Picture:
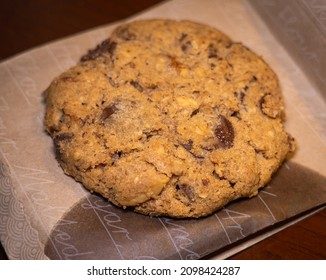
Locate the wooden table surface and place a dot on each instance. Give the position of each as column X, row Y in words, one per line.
column 29, row 23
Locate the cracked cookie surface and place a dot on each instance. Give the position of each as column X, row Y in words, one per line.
column 170, row 118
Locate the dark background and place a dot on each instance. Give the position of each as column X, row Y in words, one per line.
column 28, row 23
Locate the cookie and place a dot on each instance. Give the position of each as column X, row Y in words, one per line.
column 169, row 118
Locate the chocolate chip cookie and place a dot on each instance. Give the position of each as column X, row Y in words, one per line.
column 169, row 118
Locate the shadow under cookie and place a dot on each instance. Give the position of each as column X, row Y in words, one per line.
column 96, row 229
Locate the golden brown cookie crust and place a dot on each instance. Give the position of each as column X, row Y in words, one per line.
column 170, row 118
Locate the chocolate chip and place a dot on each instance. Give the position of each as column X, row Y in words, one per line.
column 261, row 102
column 52, row 129
column 137, row 86
column 186, row 191
column 194, row 112
column 111, row 48
column 116, row 156
column 205, row 182
column 253, row 79
column 188, row 146
column 99, row 50
column 186, row 46
column 224, row 133
column 240, row 95
column 108, row 111
column 227, row 78
column 65, row 136
column 212, row 51
column 151, row 87
column 125, row 34
column 236, row 114
column 183, row 36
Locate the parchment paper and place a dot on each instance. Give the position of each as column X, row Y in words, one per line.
column 46, row 214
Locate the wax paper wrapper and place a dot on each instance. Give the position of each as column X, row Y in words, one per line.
column 45, row 214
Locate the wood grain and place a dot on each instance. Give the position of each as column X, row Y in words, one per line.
column 26, row 24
